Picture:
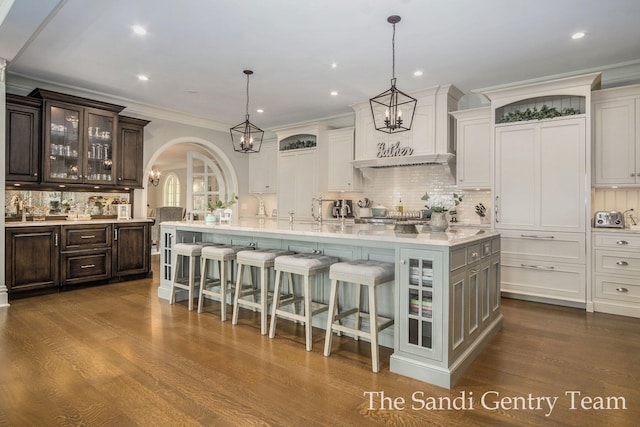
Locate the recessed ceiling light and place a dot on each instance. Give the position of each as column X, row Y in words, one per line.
column 143, row 77
column 578, row 35
column 417, row 73
column 334, row 93
column 260, row 110
column 334, row 65
column 139, row 29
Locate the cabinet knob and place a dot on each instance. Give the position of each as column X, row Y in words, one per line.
column 35, row 174
column 403, row 261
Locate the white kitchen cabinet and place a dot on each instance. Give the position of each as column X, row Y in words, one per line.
column 540, row 172
column 616, row 136
column 297, row 182
column 262, row 169
column 616, row 273
column 342, row 176
column 473, row 151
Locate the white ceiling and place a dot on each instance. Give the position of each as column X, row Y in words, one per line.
column 203, row 46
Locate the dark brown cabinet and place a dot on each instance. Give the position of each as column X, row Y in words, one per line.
column 80, row 139
column 85, row 253
column 41, row 256
column 130, row 159
column 32, row 258
column 131, row 248
column 23, row 139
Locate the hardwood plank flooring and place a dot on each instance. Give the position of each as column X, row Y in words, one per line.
column 116, row 355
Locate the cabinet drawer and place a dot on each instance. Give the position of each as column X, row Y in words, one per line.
column 617, row 240
column 86, row 236
column 543, row 279
column 553, row 247
column 85, row 266
column 621, row 289
column 618, row 262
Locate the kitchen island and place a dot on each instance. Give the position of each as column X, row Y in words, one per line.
column 446, row 298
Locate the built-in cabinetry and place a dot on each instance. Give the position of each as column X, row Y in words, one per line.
column 342, row 176
column 616, row 136
column 473, row 148
column 466, row 307
column 80, row 138
column 47, row 256
column 262, row 169
column 428, row 141
column 616, row 278
column 32, row 258
column 302, row 151
column 57, row 139
column 24, row 138
column 130, row 152
column 541, row 189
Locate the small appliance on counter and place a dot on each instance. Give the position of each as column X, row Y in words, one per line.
column 338, row 210
column 606, row 219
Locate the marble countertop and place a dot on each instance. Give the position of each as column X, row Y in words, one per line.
column 73, row 222
column 348, row 231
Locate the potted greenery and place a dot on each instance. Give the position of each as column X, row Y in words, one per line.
column 216, row 208
column 439, row 205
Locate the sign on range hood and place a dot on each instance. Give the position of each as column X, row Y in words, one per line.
column 430, row 141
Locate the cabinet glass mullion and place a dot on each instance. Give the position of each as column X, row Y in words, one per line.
column 421, row 302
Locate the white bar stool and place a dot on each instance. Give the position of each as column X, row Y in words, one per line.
column 361, row 273
column 224, row 256
column 179, row 252
column 262, row 259
column 308, row 266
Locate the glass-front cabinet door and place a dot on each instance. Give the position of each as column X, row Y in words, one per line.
column 79, row 143
column 100, row 132
column 63, row 143
column 420, row 313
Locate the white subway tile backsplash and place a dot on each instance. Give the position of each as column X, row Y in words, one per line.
column 387, row 186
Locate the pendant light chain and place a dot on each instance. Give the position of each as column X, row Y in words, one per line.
column 393, row 53
column 247, row 108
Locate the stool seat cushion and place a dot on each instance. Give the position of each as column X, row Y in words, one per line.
column 188, row 249
column 220, row 251
column 366, row 272
column 304, row 261
column 261, row 254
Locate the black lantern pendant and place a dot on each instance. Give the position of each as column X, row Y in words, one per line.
column 393, row 109
column 247, row 137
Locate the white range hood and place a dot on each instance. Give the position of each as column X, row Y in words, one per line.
column 430, row 140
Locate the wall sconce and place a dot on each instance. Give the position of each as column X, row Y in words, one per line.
column 154, row 178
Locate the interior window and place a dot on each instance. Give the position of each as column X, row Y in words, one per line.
column 171, row 190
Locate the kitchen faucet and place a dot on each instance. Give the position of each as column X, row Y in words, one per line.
column 319, row 200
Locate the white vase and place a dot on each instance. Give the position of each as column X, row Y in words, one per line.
column 439, row 221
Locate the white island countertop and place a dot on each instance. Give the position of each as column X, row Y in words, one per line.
column 335, row 230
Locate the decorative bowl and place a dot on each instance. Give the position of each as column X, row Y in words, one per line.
column 379, row 211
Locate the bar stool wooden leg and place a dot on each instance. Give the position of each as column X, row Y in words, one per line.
column 203, row 278
column 333, row 305
column 357, row 313
column 176, row 259
column 274, row 305
column 236, row 308
column 223, row 289
column 307, row 312
column 373, row 325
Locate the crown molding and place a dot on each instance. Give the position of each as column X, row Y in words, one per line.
column 23, row 85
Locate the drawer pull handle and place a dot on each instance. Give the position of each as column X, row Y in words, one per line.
column 622, row 263
column 533, row 236
column 475, row 254
column 537, row 267
column 87, row 237
column 88, row 266
column 622, row 290
column 622, row 242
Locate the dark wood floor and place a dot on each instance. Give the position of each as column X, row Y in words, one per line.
column 116, row 355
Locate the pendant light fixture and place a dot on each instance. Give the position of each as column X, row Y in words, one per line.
column 393, row 109
column 247, row 137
